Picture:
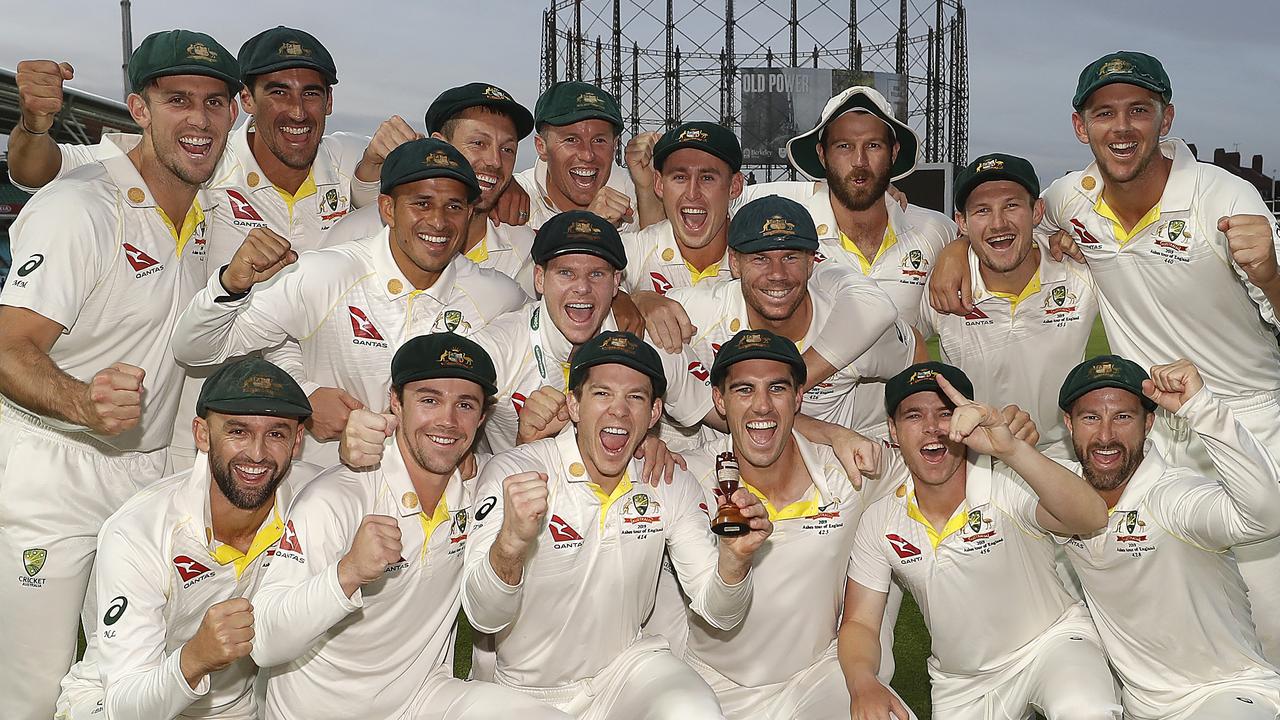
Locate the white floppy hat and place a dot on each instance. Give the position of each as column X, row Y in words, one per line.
column 802, row 150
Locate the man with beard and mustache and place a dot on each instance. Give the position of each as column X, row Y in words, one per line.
column 565, row 551
column 90, row 388
column 1183, row 255
column 1162, row 580
column 486, row 125
column 347, row 308
column 1032, row 314
column 179, row 562
column 800, row 571
column 967, row 532
column 356, row 614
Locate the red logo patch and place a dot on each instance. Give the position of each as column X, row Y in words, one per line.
column 138, row 259
column 361, row 325
column 561, row 531
column 977, row 314
column 1083, row 236
column 188, row 569
column 241, row 208
column 290, row 541
column 700, row 371
column 517, row 401
column 660, row 284
column 901, row 546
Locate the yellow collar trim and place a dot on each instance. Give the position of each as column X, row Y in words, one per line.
column 798, row 509
column 1032, row 288
column 696, row 276
column 890, row 239
column 480, row 252
column 608, row 499
column 195, row 216
column 953, row 526
column 306, row 190
column 1122, row 235
column 267, row 536
column 429, row 524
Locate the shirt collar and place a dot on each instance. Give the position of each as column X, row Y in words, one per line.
column 1179, row 189
column 572, row 469
column 1050, row 272
column 393, row 282
column 817, row 470
column 556, row 346
column 194, row 503
column 1150, row 470
column 396, row 475
column 122, row 172
column 618, row 180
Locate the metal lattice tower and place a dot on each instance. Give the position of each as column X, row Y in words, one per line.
column 669, row 61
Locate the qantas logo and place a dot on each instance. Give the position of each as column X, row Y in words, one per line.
column 241, row 208
column 818, row 256
column 517, row 401
column 660, row 284
column 561, row 531
column 1083, row 236
column 362, row 326
column 189, row 569
column 290, row 541
column 902, row 547
column 137, row 259
column 700, row 371
column 977, row 317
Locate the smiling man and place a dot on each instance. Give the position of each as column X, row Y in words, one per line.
column 348, row 308
column 179, row 562
column 967, row 532
column 1032, row 314
column 90, row 386
column 565, row 551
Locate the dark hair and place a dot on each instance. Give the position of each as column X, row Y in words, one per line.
column 575, row 387
column 251, row 83
column 797, row 377
column 450, row 125
column 890, row 136
column 489, row 400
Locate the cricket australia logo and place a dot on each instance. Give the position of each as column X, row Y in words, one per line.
column 33, row 560
column 1060, row 305
column 1172, row 240
column 915, row 266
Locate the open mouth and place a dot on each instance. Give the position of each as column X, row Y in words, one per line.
column 1124, row 151
column 441, row 440
column 252, row 473
column 761, row 432
column 613, row 439
column 196, row 146
column 933, row 453
column 777, row 294
column 584, row 177
column 579, row 312
column 1106, row 457
column 1001, row 242
column 434, row 241
column 487, row 181
column 297, row 134
column 693, row 218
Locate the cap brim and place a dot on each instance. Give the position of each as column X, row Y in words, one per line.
column 580, row 115
column 473, row 188
column 588, row 249
column 446, row 374
column 258, row 406
column 233, row 83
column 1127, row 80
column 767, row 244
column 659, row 379
column 1066, row 404
column 735, row 164
column 328, row 75
column 719, row 371
column 802, row 150
column 963, row 192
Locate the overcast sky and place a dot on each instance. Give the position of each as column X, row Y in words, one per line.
column 394, row 56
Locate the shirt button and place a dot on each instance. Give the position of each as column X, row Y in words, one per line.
column 668, row 254
column 395, row 286
column 822, row 229
column 409, row 500
column 253, row 179
column 136, row 195
column 577, row 470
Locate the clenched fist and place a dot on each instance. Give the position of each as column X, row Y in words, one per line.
column 391, row 134
column 330, row 408
column 1251, row 241
column 225, row 635
column 639, row 159
column 544, row 415
column 612, row 206
column 524, row 510
column 262, row 254
column 376, row 546
column 40, row 93
column 1173, row 384
column 112, row 402
column 365, row 437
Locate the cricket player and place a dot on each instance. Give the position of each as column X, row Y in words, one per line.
column 105, row 261
column 773, row 244
column 486, row 125
column 356, row 615
column 1162, row 579
column 579, row 126
column 781, row 662
column 565, row 550
column 178, row 563
column 1032, row 314
column 348, row 308
column 1159, row 231
column 967, row 533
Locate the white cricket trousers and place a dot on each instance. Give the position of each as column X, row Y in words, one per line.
column 1259, row 562
column 56, row 490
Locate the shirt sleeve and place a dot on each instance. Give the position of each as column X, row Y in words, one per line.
column 288, row 357
column 695, row 555
column 1248, row 202
column 141, row 680
column 61, row 251
column 1011, row 495
column 490, row 604
column 868, row 565
column 217, row 326
column 892, row 353
column 688, row 398
column 299, row 598
column 73, row 156
column 349, row 149
column 1244, row 505
column 852, row 295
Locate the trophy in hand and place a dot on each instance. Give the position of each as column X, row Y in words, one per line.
column 729, row 521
